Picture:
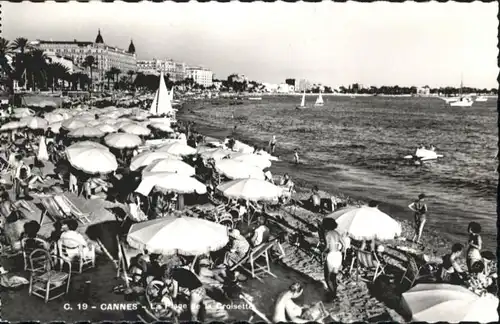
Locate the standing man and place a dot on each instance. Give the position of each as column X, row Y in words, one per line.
column 296, row 159
column 272, row 144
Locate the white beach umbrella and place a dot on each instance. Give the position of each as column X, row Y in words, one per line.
column 162, row 127
column 169, row 165
column 73, row 123
column 22, row 112
column 217, row 154
column 122, row 140
column 105, row 128
column 174, row 235
column 250, row 189
column 146, row 158
column 177, row 148
column 238, row 170
column 170, row 182
column 11, row 126
column 366, row 223
column 86, row 132
column 89, row 144
column 37, row 123
column 53, row 117
column 55, row 127
column 94, row 122
column 252, row 159
column 203, row 148
column 449, row 303
column 91, row 160
column 135, row 129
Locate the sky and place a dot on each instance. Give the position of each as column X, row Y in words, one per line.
column 335, row 44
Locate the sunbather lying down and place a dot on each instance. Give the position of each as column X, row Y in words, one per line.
column 94, row 186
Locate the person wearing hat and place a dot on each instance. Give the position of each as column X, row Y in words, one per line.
column 239, row 248
column 420, row 209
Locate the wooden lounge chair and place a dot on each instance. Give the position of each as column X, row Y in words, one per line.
column 368, row 261
column 51, row 209
column 258, row 253
column 249, row 301
column 414, row 273
column 70, row 210
column 216, row 212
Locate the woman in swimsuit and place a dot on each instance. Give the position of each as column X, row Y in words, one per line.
column 285, row 309
column 336, row 243
column 420, row 209
column 475, row 245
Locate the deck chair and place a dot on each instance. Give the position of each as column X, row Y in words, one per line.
column 37, row 259
column 368, row 261
column 53, row 276
column 216, row 212
column 254, row 256
column 70, row 210
column 81, row 258
column 413, row 272
column 249, row 301
column 51, row 209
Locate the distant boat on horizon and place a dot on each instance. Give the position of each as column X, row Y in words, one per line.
column 319, row 101
column 482, row 99
column 462, row 101
column 302, row 102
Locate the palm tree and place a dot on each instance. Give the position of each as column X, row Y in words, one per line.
column 90, row 62
column 57, row 72
column 20, row 44
column 109, row 76
column 116, row 72
column 5, row 67
column 36, row 68
column 130, row 74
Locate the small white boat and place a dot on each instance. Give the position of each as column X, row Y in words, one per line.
column 462, row 102
column 302, row 102
column 423, row 155
column 449, row 100
column 319, row 101
column 482, row 99
column 255, row 98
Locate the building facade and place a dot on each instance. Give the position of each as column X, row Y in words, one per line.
column 302, row 85
column 175, row 70
column 67, row 62
column 105, row 56
column 200, row 75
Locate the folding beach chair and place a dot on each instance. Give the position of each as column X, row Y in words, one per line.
column 249, row 301
column 51, row 209
column 368, row 261
column 254, row 256
column 70, row 210
column 414, row 273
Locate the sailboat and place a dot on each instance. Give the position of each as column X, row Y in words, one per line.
column 162, row 104
column 319, row 101
column 463, row 101
column 303, row 102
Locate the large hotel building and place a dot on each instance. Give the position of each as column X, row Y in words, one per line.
column 105, row 56
column 176, row 71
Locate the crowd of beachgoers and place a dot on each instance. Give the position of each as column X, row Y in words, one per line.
column 172, row 184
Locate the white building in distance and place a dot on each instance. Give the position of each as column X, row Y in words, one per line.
column 200, row 75
column 175, row 70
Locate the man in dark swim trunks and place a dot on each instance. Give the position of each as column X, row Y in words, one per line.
column 420, row 209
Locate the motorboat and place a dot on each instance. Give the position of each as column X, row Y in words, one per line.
column 462, row 102
column 423, row 155
column 481, row 99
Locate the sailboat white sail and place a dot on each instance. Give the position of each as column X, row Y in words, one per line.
column 302, row 102
column 319, row 101
column 162, row 104
column 463, row 101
